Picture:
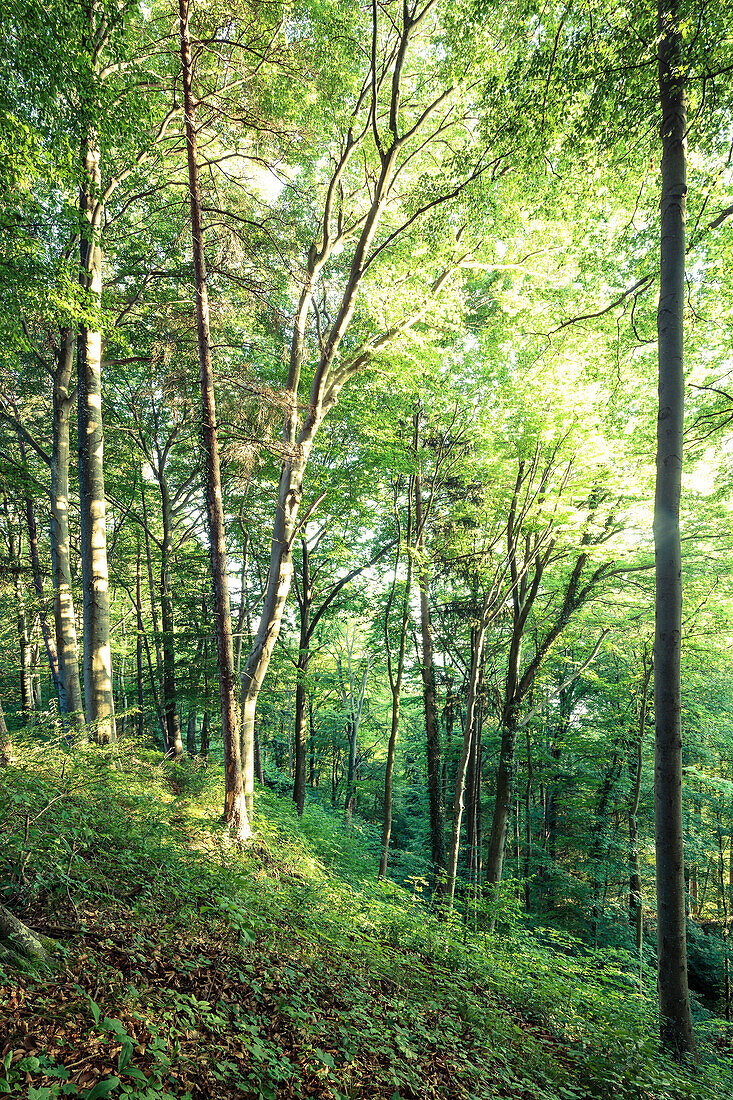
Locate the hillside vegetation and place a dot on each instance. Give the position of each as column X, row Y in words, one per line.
column 185, row 967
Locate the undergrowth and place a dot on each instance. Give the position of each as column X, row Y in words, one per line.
column 186, row 968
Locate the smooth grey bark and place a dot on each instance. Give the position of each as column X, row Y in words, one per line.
column 70, row 697
column 674, row 999
column 235, row 808
column 98, row 697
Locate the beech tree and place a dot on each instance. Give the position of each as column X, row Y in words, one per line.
column 674, row 1002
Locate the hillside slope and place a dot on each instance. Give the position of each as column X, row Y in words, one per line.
column 186, row 968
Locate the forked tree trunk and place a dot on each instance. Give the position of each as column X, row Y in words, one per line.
column 674, row 999
column 235, row 809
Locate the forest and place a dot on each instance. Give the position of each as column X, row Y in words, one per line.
column 366, row 650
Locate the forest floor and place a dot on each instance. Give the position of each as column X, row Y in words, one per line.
column 185, row 968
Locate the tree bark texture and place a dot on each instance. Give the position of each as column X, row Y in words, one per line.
column 395, row 680
column 635, row 759
column 70, row 697
column 6, row 747
column 674, row 1000
column 15, row 546
column 48, row 640
column 432, row 730
column 98, row 698
column 170, row 708
column 235, row 808
column 478, row 634
column 306, row 601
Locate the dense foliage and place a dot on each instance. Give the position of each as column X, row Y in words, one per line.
column 426, row 298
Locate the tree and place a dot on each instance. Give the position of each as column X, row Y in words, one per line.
column 235, row 807
column 392, row 133
column 674, row 1001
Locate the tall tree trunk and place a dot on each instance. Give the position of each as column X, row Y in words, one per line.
column 235, row 808
column 395, row 680
column 306, row 601
column 98, row 698
column 674, row 999
column 478, row 633
column 139, row 637
column 432, row 731
column 170, row 709
column 504, row 797
column 528, row 826
column 48, row 641
column 206, row 717
column 158, row 679
column 70, row 698
column 21, row 618
column 635, row 757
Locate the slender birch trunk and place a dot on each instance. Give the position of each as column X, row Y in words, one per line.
column 235, row 808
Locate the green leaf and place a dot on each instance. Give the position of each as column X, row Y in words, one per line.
column 103, row 1088
column 133, row 1071
column 125, row 1055
column 327, row 1060
column 5, row 1088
